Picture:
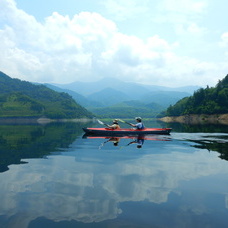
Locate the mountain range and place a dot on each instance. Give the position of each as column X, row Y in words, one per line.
column 110, row 95
column 132, row 89
column 107, row 98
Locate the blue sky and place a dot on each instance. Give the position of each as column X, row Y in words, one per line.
column 159, row 42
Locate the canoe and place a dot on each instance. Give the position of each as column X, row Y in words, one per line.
column 127, row 131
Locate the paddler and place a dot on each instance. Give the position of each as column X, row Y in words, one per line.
column 115, row 124
column 139, row 125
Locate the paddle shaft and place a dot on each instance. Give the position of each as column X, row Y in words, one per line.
column 125, row 122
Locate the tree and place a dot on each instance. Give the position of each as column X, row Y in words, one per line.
column 203, row 101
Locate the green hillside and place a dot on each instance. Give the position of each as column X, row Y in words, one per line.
column 127, row 109
column 23, row 99
column 212, row 100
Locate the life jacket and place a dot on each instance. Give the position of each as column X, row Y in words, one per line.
column 141, row 127
column 116, row 126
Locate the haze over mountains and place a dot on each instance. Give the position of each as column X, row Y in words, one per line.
column 129, row 88
column 107, row 98
column 108, row 91
column 113, row 94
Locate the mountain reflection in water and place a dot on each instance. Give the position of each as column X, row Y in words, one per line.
column 171, row 181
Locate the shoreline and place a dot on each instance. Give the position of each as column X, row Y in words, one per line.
column 197, row 119
column 39, row 120
column 185, row 119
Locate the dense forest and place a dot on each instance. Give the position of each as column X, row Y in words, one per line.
column 128, row 109
column 23, row 99
column 211, row 100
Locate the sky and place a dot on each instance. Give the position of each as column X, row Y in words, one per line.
column 158, row 42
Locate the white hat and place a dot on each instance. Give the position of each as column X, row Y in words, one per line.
column 138, row 118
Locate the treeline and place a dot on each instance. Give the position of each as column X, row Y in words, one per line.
column 211, row 100
column 126, row 112
column 23, row 99
column 128, row 109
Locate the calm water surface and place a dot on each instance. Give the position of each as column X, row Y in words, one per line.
column 53, row 176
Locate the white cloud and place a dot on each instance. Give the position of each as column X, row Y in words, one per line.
column 89, row 46
column 59, row 46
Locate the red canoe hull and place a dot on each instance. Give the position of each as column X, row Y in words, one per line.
column 127, row 131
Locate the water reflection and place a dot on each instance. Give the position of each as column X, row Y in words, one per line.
column 138, row 140
column 34, row 141
column 218, row 143
column 171, row 178
column 192, row 128
column 64, row 188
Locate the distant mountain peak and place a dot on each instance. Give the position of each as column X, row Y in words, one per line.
column 109, row 79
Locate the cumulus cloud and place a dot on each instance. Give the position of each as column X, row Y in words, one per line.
column 88, row 47
column 58, row 46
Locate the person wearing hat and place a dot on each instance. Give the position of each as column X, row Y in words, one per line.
column 139, row 125
column 115, row 124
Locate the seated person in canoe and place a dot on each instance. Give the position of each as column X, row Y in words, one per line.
column 115, row 125
column 139, row 125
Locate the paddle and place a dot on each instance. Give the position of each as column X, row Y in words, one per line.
column 123, row 121
column 100, row 122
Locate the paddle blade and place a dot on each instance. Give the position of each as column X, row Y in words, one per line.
column 100, row 122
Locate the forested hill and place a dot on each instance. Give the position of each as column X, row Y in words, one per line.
column 213, row 100
column 23, row 99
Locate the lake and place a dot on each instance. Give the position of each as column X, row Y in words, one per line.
column 54, row 176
